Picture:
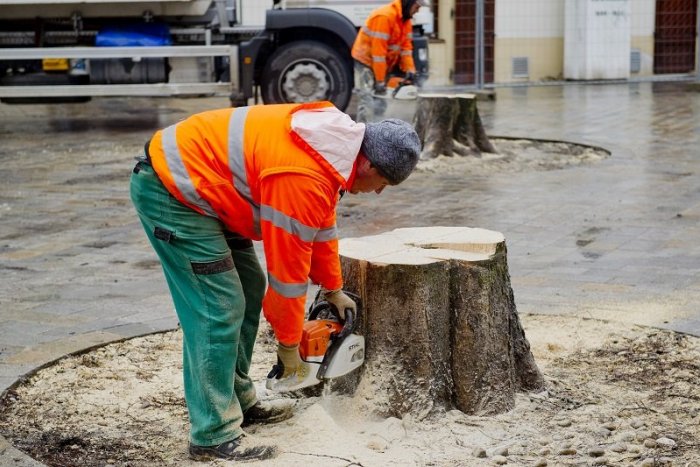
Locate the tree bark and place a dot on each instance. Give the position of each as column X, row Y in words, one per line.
column 439, row 321
column 449, row 124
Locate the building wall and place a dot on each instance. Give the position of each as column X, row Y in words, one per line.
column 534, row 29
column 441, row 63
column 531, row 30
column 597, row 37
column 643, row 24
column 442, row 48
column 544, row 55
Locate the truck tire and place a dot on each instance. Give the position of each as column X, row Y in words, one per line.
column 307, row 71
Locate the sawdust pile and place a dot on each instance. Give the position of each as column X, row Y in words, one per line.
column 518, row 155
column 615, row 395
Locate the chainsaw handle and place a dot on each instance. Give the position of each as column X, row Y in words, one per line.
column 350, row 320
column 349, row 324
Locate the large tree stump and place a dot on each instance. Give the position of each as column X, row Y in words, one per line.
column 449, row 124
column 439, row 320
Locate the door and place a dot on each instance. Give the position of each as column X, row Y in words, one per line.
column 674, row 37
column 465, row 41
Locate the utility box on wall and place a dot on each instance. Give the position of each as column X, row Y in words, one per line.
column 597, row 39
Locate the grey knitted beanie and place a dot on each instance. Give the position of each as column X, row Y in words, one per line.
column 393, row 147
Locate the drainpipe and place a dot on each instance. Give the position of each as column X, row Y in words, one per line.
column 479, row 43
column 697, row 44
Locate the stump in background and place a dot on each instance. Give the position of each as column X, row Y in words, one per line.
column 439, row 320
column 449, row 124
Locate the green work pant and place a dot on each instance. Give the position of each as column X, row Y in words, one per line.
column 217, row 286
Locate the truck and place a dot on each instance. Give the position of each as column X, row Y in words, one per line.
column 278, row 51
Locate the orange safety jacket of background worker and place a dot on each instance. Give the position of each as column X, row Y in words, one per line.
column 384, row 40
column 270, row 173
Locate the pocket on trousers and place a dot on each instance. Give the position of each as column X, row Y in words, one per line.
column 222, row 298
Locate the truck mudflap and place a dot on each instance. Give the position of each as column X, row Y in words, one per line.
column 248, row 52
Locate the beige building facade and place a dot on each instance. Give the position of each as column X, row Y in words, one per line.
column 527, row 39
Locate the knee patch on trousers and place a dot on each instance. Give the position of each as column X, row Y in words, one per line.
column 163, row 234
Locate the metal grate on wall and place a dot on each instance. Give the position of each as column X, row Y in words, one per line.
column 635, row 61
column 520, row 67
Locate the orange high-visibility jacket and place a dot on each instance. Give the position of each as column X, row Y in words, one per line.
column 270, row 173
column 384, row 41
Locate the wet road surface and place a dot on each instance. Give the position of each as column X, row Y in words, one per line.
column 615, row 240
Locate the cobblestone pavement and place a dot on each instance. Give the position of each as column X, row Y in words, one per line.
column 615, row 240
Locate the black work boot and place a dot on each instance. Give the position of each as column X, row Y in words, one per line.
column 268, row 412
column 239, row 449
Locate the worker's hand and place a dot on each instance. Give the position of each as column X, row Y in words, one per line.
column 290, row 373
column 380, row 89
column 290, row 361
column 410, row 78
column 341, row 301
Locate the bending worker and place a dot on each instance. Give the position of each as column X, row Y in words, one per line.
column 384, row 43
column 214, row 182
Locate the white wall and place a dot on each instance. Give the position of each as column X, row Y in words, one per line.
column 529, row 18
column 597, row 38
column 643, row 17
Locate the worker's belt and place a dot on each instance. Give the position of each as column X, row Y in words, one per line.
column 144, row 158
column 145, row 151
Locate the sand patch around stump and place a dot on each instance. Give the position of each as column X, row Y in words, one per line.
column 614, row 394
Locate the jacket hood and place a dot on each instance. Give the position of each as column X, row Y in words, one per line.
column 335, row 139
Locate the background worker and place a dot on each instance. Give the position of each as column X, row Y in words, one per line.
column 383, row 44
column 214, row 182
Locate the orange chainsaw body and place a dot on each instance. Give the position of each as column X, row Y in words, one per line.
column 316, row 337
column 394, row 81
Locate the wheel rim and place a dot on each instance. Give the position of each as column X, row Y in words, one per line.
column 305, row 81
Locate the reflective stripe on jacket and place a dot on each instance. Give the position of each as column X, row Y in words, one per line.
column 270, row 173
column 384, row 41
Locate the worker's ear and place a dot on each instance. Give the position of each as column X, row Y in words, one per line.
column 363, row 164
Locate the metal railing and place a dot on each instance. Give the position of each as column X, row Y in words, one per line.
column 135, row 53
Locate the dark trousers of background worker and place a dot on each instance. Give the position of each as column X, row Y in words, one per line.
column 217, row 286
column 369, row 107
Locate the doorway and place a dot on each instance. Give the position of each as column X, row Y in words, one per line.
column 674, row 38
column 465, row 42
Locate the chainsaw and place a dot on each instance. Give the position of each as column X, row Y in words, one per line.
column 328, row 347
column 402, row 89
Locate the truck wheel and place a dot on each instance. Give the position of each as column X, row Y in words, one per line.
column 307, row 71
